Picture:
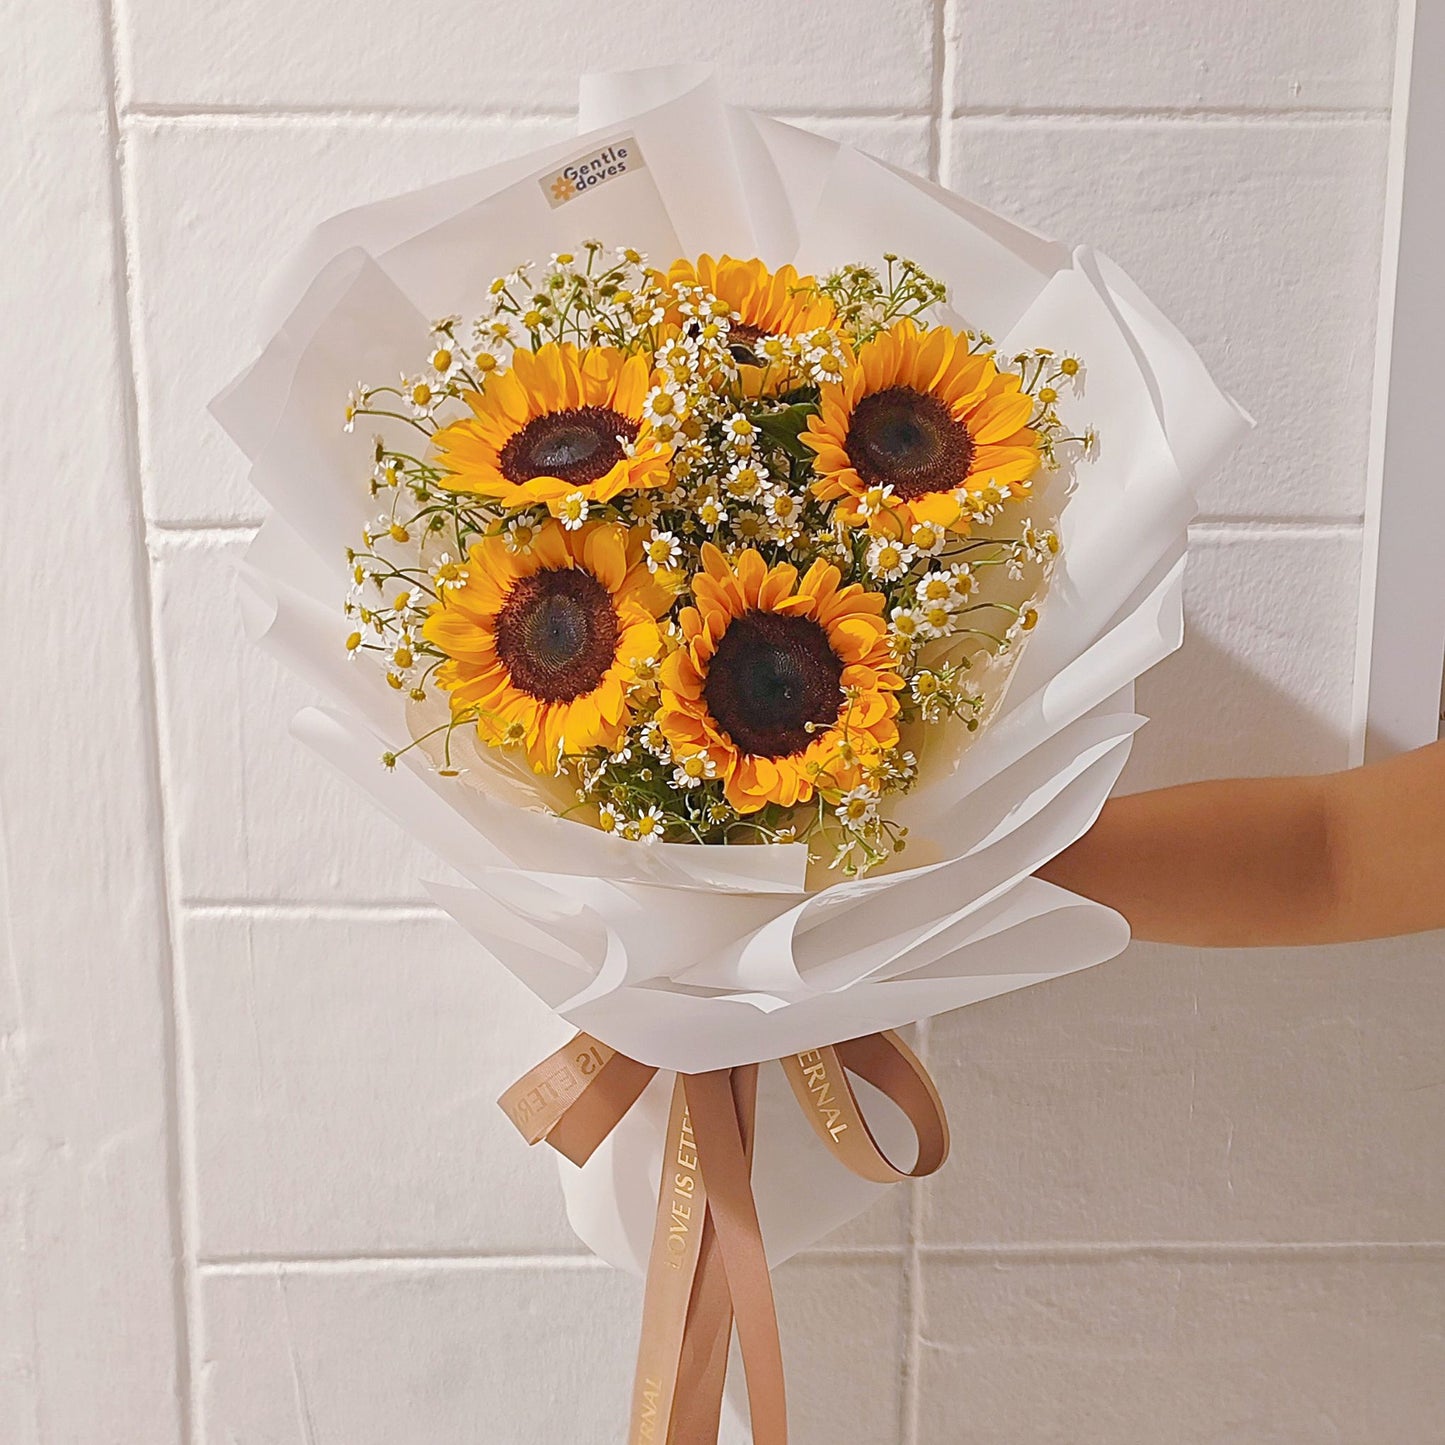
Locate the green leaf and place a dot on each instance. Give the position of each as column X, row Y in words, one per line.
column 783, row 428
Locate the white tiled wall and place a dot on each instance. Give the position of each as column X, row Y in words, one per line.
column 251, row 1177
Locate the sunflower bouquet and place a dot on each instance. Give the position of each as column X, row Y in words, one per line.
column 715, row 545
column 742, row 634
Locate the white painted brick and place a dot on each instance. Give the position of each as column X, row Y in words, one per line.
column 1137, row 1349
column 1259, row 240
column 498, row 55
column 416, row 1356
column 901, row 140
column 1179, row 1094
column 218, row 206
column 515, row 1355
column 844, row 1328
column 90, row 1346
column 346, row 1079
column 1264, row 679
column 1108, row 53
column 255, row 814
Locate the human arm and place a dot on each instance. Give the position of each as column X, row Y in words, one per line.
column 1243, row 862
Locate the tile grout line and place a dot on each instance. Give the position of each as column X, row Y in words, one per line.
column 343, row 910
column 1050, row 1252
column 192, row 531
column 1177, row 114
column 1202, row 1250
column 940, row 153
column 910, row 1397
column 1275, row 527
column 938, row 81
column 198, row 114
column 439, row 1261
column 179, row 1181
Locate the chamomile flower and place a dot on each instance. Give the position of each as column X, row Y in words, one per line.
column 745, row 479
column 937, row 589
column 749, row 527
column 609, row 819
column 927, row 539
column 651, row 736
column 857, row 807
column 888, row 559
column 711, row 513
column 356, row 400
column 875, row 501
column 1026, row 621
column 937, row 619
column 520, row 535
column 783, row 509
column 385, row 473
column 446, row 574
column 665, row 404
column 648, row 826
column 739, row 433
column 663, row 551
column 905, row 625
column 694, row 770
column 420, row 395
column 825, row 363
column 925, row 685
column 963, row 580
column 645, row 671
column 446, row 361
column 572, row 510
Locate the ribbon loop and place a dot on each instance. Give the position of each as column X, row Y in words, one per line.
column 819, row 1078
column 576, row 1096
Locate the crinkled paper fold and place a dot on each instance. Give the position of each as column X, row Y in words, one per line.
column 698, row 957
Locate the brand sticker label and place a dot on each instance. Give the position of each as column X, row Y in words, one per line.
column 592, row 170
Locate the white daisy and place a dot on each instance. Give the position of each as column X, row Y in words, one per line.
column 663, row 551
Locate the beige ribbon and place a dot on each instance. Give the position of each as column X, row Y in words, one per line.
column 708, row 1273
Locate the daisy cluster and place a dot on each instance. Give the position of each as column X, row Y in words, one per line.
column 714, row 543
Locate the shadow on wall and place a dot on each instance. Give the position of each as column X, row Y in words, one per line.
column 1212, row 715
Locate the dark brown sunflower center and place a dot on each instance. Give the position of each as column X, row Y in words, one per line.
column 579, row 445
column 771, row 676
column 557, row 634
column 743, row 338
column 906, row 439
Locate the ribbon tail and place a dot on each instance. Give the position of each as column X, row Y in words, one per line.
column 710, row 1321
column 727, row 1171
column 677, row 1252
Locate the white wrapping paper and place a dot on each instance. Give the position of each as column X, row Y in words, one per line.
column 691, row 957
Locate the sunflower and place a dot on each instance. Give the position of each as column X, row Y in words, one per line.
column 766, row 303
column 557, row 421
column 784, row 684
column 542, row 644
column 919, row 413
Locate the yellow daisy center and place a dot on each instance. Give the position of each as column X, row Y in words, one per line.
column 557, row 634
